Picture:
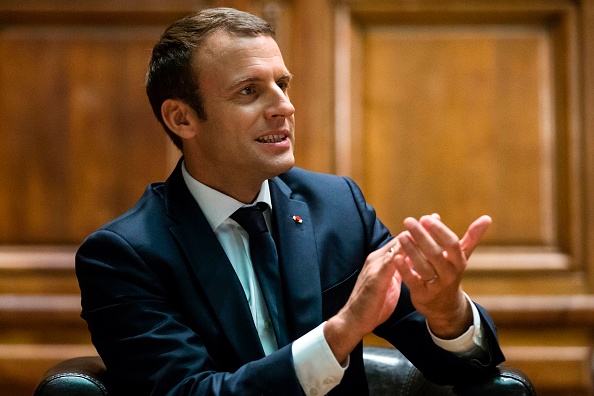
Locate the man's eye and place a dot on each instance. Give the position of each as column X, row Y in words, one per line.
column 283, row 85
column 248, row 90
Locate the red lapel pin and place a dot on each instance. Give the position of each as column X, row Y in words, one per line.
column 297, row 219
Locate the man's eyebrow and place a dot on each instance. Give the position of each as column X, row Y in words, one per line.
column 285, row 77
column 244, row 80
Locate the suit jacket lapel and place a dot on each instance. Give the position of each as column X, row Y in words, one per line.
column 212, row 268
column 298, row 259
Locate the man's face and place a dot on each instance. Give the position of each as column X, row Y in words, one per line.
column 248, row 135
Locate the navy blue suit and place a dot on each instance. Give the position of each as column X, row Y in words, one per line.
column 168, row 315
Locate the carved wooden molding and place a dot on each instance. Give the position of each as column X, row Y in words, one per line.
column 550, row 310
column 553, row 367
column 37, row 257
column 56, row 352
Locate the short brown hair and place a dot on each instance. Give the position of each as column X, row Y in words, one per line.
column 171, row 72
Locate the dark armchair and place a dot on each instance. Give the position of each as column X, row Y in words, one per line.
column 388, row 372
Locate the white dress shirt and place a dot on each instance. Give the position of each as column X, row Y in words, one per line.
column 316, row 368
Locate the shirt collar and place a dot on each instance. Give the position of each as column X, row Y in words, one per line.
column 216, row 206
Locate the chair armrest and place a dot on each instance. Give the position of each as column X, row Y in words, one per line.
column 390, row 373
column 77, row 376
column 506, row 380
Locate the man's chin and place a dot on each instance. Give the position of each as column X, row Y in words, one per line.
column 282, row 167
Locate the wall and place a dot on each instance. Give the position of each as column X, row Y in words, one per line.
column 458, row 107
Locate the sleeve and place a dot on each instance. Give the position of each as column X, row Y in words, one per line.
column 471, row 344
column 317, row 369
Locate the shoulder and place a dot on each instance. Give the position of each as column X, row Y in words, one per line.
column 143, row 227
column 149, row 206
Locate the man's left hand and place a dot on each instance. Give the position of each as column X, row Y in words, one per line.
column 432, row 267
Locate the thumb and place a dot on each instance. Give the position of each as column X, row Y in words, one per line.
column 474, row 234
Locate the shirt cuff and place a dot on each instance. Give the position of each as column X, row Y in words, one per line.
column 468, row 342
column 317, row 369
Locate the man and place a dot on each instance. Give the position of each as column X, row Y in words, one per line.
column 175, row 304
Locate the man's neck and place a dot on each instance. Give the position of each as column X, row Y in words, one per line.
column 242, row 189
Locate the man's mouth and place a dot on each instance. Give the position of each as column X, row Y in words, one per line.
column 271, row 138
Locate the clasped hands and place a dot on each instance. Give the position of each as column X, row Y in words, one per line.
column 430, row 259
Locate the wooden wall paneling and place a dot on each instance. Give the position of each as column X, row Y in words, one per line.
column 28, row 141
column 501, row 110
column 27, row 271
column 130, row 12
column 442, row 150
column 118, row 147
column 587, row 51
column 533, row 183
column 348, row 96
column 312, row 90
column 80, row 129
column 79, row 144
column 567, row 116
column 40, row 320
column 503, row 81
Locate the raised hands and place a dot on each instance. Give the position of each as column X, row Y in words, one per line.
column 431, row 260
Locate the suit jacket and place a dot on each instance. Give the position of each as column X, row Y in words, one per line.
column 168, row 315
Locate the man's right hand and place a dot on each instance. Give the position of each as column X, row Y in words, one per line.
column 371, row 302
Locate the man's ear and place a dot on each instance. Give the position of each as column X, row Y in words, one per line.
column 179, row 117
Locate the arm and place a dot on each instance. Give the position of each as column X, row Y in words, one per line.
column 148, row 342
column 406, row 328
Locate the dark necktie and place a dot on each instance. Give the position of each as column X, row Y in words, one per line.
column 265, row 262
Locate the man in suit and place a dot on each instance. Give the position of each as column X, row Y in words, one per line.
column 174, row 301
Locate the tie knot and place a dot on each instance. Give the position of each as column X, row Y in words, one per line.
column 251, row 218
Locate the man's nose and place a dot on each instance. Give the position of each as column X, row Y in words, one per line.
column 281, row 105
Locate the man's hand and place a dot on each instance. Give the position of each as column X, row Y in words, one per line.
column 371, row 302
column 432, row 268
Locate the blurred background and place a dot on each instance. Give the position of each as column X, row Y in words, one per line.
column 460, row 107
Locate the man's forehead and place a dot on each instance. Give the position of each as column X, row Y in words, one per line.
column 221, row 43
column 245, row 56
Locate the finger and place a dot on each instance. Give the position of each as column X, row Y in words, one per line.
column 418, row 263
column 447, row 239
column 392, row 247
column 392, row 244
column 475, row 234
column 407, row 274
column 429, row 248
